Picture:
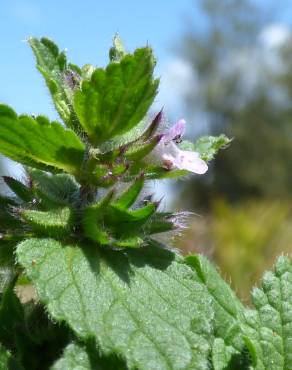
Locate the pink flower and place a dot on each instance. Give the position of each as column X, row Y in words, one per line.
column 184, row 160
column 175, row 158
column 175, row 133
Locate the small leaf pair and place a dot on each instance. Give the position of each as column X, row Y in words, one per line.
column 110, row 221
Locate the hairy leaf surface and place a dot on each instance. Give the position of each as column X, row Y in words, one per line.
column 221, row 355
column 116, row 99
column 78, row 356
column 207, row 146
column 269, row 327
column 74, row 357
column 53, row 223
column 61, row 188
column 146, row 306
column 229, row 347
column 53, row 66
column 46, row 147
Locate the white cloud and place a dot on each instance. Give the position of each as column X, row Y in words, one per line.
column 177, row 79
column 275, row 35
column 178, row 74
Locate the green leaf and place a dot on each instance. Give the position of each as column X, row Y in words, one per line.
column 187, row 145
column 129, row 242
column 221, row 354
column 144, row 305
column 124, row 221
column 6, row 111
column 157, row 172
column 269, row 326
column 208, row 146
column 57, row 222
column 229, row 312
column 74, row 357
column 77, row 356
column 116, row 99
column 229, row 349
column 92, row 220
column 22, row 191
column 129, row 196
column 87, row 71
column 42, row 120
column 110, row 223
column 75, row 68
column 45, row 147
column 7, row 361
column 160, row 222
column 61, row 188
column 140, row 150
column 117, row 51
column 127, row 138
column 53, row 66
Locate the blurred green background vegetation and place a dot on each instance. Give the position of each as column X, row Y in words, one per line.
column 241, row 61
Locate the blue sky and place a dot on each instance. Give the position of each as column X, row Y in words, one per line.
column 85, row 28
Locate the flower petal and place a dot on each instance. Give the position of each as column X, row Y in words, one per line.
column 185, row 160
column 175, row 132
column 190, row 161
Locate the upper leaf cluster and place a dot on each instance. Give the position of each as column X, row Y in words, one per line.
column 71, row 226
